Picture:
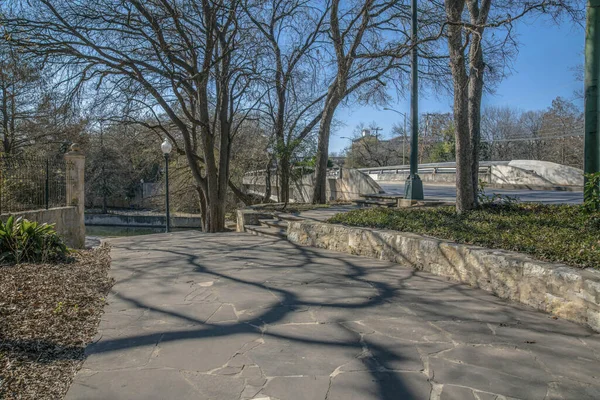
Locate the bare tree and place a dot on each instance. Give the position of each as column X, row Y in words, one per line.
column 369, row 41
column 467, row 44
column 578, row 75
column 292, row 30
column 561, row 134
column 555, row 134
column 531, row 124
column 30, row 112
column 372, row 150
column 498, row 126
column 187, row 59
column 19, row 93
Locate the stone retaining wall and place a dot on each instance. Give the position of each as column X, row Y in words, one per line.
column 66, row 220
column 569, row 293
column 142, row 221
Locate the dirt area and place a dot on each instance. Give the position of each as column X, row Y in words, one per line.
column 49, row 313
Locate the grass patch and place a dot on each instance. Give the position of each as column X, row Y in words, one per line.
column 556, row 233
column 48, row 314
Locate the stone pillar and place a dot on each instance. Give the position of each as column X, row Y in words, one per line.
column 75, row 161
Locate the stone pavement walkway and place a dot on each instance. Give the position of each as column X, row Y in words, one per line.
column 235, row 316
column 321, row 214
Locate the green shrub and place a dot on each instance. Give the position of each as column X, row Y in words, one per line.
column 26, row 241
column 591, row 192
column 558, row 233
column 495, row 198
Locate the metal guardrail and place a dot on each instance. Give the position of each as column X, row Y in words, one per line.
column 332, row 173
column 433, row 168
column 438, row 168
column 30, row 183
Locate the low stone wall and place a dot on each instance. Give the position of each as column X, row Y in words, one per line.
column 569, row 293
column 248, row 216
column 68, row 223
column 142, row 221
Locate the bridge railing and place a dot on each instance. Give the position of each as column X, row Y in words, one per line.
column 483, row 169
column 332, row 173
column 432, row 168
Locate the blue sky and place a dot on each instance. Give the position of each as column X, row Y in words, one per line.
column 541, row 71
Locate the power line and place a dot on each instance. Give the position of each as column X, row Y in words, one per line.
column 519, row 139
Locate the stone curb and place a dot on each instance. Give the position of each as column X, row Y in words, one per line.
column 569, row 293
column 249, row 216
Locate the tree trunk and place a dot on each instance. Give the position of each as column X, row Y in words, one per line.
column 267, row 197
column 282, row 148
column 465, row 193
column 212, row 184
column 320, row 182
column 6, row 139
column 203, row 208
column 284, row 182
column 239, row 194
column 478, row 14
column 475, row 94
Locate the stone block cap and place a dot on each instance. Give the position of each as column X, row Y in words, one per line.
column 74, row 148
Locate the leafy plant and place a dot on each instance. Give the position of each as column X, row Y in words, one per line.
column 495, row 198
column 591, row 192
column 22, row 240
column 557, row 233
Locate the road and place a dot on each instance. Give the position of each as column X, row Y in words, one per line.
column 448, row 192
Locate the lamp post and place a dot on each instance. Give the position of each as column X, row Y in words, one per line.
column 166, row 148
column 403, row 132
column 413, row 189
column 591, row 158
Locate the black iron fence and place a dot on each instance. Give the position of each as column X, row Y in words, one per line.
column 30, row 183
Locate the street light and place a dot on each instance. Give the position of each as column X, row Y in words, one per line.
column 413, row 189
column 403, row 133
column 166, row 148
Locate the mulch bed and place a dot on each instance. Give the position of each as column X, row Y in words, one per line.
column 48, row 314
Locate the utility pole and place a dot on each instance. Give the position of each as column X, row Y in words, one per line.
column 592, row 75
column 404, row 141
column 413, row 188
column 377, row 132
column 403, row 132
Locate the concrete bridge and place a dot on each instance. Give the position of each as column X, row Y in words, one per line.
column 518, row 174
column 524, row 177
column 343, row 184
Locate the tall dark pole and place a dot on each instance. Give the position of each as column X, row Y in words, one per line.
column 168, row 224
column 592, row 74
column 47, row 186
column 404, row 141
column 413, row 189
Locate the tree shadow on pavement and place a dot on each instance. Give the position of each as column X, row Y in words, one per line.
column 239, row 262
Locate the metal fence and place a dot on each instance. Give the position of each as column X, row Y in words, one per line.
column 30, row 183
